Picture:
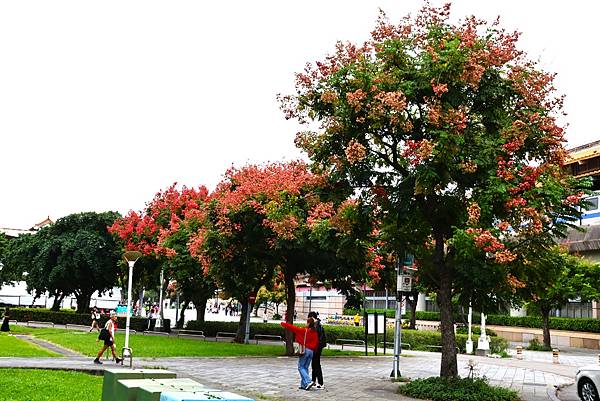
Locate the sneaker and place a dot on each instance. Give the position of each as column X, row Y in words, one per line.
column 320, row 386
column 309, row 385
column 97, row 361
column 119, row 360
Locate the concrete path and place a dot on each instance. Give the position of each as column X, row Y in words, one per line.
column 345, row 377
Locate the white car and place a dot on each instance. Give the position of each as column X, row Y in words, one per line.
column 588, row 382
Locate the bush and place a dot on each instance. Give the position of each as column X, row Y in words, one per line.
column 277, row 316
column 535, row 345
column 60, row 317
column 418, row 339
column 556, row 323
column 456, row 389
column 475, row 330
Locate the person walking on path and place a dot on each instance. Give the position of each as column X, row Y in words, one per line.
column 317, row 371
column 5, row 327
column 308, row 340
column 107, row 334
column 95, row 318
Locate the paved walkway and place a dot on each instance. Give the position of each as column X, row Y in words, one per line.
column 346, row 378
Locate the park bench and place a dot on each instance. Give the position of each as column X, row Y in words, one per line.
column 191, row 333
column 155, row 333
column 439, row 347
column 30, row 322
column 348, row 341
column 76, row 326
column 269, row 337
column 390, row 344
column 224, row 335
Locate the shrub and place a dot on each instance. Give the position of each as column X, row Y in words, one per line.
column 277, row 316
column 556, row 323
column 418, row 339
column 475, row 330
column 60, row 317
column 456, row 389
column 535, row 345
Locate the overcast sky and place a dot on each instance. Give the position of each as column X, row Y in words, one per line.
column 104, row 103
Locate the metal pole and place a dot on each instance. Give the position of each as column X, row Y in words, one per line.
column 177, row 309
column 397, row 325
column 310, row 298
column 160, row 294
column 247, row 333
column 129, row 283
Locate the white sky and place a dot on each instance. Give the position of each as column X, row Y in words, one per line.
column 104, row 103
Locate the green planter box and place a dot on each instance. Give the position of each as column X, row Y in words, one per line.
column 112, row 376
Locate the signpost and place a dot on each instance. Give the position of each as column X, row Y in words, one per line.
column 404, row 280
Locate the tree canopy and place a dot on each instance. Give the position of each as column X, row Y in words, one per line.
column 452, row 132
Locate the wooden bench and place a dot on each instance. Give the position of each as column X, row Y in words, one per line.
column 270, row 337
column 191, row 333
column 42, row 323
column 224, row 335
column 348, row 341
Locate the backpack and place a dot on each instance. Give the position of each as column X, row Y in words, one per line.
column 321, row 335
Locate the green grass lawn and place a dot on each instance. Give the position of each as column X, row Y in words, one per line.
column 160, row 346
column 48, row 385
column 12, row 346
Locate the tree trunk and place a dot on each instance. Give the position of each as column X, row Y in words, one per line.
column 412, row 303
column 546, row 326
column 58, row 298
column 83, row 302
column 200, row 304
column 181, row 319
column 241, row 331
column 290, row 290
column 449, row 365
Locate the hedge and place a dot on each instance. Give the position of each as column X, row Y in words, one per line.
column 556, row 323
column 418, row 339
column 60, row 317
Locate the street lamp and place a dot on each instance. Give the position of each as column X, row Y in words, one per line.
column 130, row 257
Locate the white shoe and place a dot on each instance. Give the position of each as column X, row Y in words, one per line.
column 309, row 385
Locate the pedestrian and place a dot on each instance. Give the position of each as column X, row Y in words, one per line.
column 107, row 334
column 317, row 371
column 357, row 320
column 308, row 341
column 5, row 327
column 95, row 315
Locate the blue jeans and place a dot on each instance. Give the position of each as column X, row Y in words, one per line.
column 303, row 366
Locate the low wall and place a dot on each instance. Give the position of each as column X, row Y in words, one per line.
column 558, row 338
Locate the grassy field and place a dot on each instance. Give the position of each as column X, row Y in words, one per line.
column 12, row 346
column 25, row 385
column 159, row 346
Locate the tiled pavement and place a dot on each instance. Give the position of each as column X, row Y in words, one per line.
column 345, row 378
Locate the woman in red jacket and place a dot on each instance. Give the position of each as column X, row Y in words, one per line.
column 307, row 337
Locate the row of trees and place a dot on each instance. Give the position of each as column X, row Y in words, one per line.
column 435, row 139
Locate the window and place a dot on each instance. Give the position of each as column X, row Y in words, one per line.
column 592, row 203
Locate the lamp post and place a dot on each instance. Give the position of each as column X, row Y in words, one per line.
column 130, row 257
column 160, row 294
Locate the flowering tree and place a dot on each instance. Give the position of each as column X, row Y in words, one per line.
column 159, row 232
column 453, row 131
column 282, row 216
